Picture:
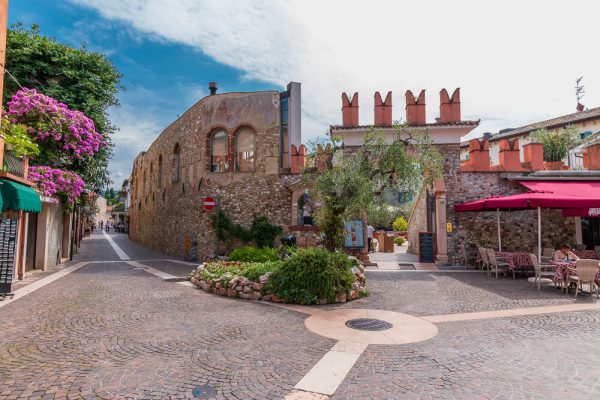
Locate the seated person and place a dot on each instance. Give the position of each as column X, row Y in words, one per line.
column 565, row 254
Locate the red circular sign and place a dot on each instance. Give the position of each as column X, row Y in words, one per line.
column 209, row 203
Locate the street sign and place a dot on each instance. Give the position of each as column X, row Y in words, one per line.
column 209, row 203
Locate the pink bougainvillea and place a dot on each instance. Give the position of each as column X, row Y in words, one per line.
column 57, row 182
column 53, row 123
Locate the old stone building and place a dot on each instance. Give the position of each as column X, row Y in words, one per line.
column 479, row 178
column 434, row 206
column 244, row 149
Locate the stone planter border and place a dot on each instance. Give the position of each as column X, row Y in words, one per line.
column 243, row 288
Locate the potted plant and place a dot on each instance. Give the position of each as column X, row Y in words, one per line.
column 556, row 145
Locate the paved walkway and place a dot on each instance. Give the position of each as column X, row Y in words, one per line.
column 111, row 327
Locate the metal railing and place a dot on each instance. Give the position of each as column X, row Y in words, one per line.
column 13, row 164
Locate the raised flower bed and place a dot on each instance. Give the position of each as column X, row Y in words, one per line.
column 325, row 278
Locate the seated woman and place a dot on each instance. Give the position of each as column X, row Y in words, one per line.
column 565, row 254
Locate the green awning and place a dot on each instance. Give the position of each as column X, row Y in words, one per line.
column 17, row 197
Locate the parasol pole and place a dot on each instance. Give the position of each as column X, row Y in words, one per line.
column 539, row 234
column 499, row 237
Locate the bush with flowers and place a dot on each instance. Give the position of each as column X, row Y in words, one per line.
column 52, row 182
column 61, row 139
column 64, row 135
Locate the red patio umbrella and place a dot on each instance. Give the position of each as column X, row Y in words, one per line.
column 535, row 199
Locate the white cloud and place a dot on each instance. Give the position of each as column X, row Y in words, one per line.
column 515, row 61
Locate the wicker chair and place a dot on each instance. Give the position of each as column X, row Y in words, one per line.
column 485, row 262
column 547, row 252
column 539, row 270
column 586, row 274
column 467, row 256
column 497, row 264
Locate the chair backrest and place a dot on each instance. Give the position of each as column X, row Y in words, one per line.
column 548, row 252
column 597, row 248
column 483, row 254
column 580, row 247
column 463, row 251
column 492, row 257
column 535, row 263
column 587, row 269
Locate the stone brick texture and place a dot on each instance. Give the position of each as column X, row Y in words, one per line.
column 164, row 212
column 518, row 228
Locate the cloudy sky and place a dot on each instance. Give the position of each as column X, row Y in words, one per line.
column 515, row 61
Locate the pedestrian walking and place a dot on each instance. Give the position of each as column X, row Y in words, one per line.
column 370, row 231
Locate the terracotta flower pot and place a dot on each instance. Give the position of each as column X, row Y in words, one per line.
column 553, row 165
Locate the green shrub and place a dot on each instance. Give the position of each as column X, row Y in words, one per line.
column 228, row 269
column 253, row 271
column 261, row 231
column 556, row 143
column 400, row 224
column 254, row 254
column 311, row 275
column 399, row 240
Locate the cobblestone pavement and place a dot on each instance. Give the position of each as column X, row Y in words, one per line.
column 113, row 331
column 432, row 293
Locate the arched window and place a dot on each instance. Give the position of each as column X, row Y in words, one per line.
column 159, row 172
column 244, row 150
column 151, row 177
column 176, row 163
column 144, row 187
column 219, row 151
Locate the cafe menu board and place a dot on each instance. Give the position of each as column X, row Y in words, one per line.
column 354, row 235
column 426, row 247
column 8, row 241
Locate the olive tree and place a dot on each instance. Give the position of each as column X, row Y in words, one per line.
column 354, row 181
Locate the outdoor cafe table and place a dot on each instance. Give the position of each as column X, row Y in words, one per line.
column 562, row 272
column 587, row 254
column 516, row 260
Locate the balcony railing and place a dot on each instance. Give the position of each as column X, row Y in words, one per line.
column 13, row 165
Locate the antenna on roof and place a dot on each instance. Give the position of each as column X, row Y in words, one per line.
column 579, row 92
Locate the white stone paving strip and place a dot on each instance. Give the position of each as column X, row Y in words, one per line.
column 41, row 283
column 120, row 253
column 171, row 260
column 329, row 372
column 514, row 312
column 160, row 274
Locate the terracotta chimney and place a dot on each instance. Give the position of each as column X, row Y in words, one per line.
column 509, row 155
column 349, row 110
column 533, row 156
column 449, row 107
column 383, row 110
column 415, row 108
column 479, row 156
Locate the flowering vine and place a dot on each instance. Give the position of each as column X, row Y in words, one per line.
column 61, row 131
column 56, row 182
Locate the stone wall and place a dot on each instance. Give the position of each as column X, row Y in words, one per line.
column 518, row 228
column 163, row 212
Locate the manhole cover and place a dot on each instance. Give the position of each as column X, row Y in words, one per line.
column 368, row 324
column 204, row 392
column 406, row 266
